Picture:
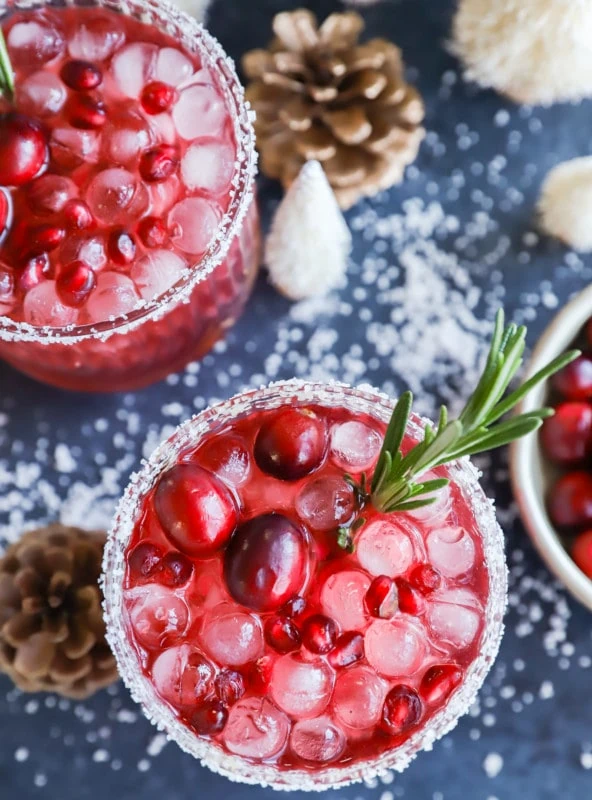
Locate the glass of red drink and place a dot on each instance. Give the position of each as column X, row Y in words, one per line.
column 276, row 628
column 129, row 237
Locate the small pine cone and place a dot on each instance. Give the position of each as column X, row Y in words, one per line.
column 52, row 632
column 321, row 95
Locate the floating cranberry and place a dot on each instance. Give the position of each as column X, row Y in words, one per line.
column 5, row 213
column 439, row 682
column 230, row 686
column 570, row 500
column 266, row 562
column 567, row 436
column 210, row 718
column 402, row 709
column 425, row 578
column 196, row 510
column 294, row 608
column 157, row 97
column 574, row 381
column 291, row 444
column 153, row 232
column 86, row 111
column 75, row 283
column 77, row 215
column 319, row 633
column 382, row 598
column 35, row 271
column 144, row 559
column 121, row 247
column 177, row 569
column 282, row 634
column 159, row 163
column 410, row 600
column 23, row 149
column 348, row 649
column 581, row 552
column 81, row 75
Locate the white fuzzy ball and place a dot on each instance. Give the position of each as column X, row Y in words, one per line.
column 534, row 51
column 566, row 203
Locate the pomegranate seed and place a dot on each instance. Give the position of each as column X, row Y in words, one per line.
column 210, row 718
column 425, row 578
column 230, row 686
column 259, row 675
column 291, row 444
column 410, row 600
column 121, row 247
column 42, row 239
column 77, row 215
column 24, row 153
column 86, row 111
column 159, row 163
column 439, row 682
column 348, row 649
column 176, row 569
column 144, row 559
column 319, row 633
column 158, row 97
column 570, row 502
column 35, row 272
column 582, row 552
column 153, row 232
column 81, row 75
column 75, row 283
column 567, row 436
column 575, row 380
column 402, row 709
column 382, row 598
column 282, row 634
column 294, row 608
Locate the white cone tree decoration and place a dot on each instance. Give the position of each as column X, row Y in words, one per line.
column 565, row 205
column 534, row 51
column 197, row 8
column 309, row 243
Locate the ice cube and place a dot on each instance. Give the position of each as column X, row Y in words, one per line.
column 133, row 67
column 395, row 648
column 124, row 136
column 359, row 697
column 385, row 547
column 172, row 66
column 90, row 249
column 115, row 196
column 162, row 128
column 451, row 551
column 193, row 223
column 71, row 147
column 232, row 637
column 437, row 512
column 98, row 35
column 325, row 503
column 301, row 688
column 208, row 166
column 454, row 616
column 342, row 598
column 317, row 740
column 50, row 193
column 228, row 458
column 156, row 272
column 163, row 195
column 114, row 295
column 182, row 676
column 34, row 41
column 42, row 306
column 207, row 589
column 41, row 94
column 200, row 111
column 156, row 614
column 354, row 446
column 256, row 728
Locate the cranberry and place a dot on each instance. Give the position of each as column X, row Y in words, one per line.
column 567, row 436
column 81, row 75
column 23, row 149
column 153, row 232
column 121, row 247
column 158, row 97
column 144, row 559
column 259, row 675
column 402, row 709
column 575, row 380
column 196, row 510
column 319, row 633
column 210, row 718
column 77, row 215
column 291, row 444
column 294, row 608
column 41, row 239
column 410, row 600
column 86, row 111
column 425, row 578
column 176, row 570
column 230, row 686
column 282, row 634
column 439, row 682
column 75, row 283
column 382, row 598
column 348, row 649
column 581, row 552
column 5, row 213
column 570, row 501
column 266, row 562
column 35, row 271
column 159, row 163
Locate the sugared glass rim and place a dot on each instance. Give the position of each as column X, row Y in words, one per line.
column 193, row 37
column 336, row 395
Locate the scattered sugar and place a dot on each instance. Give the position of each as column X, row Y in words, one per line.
column 493, row 765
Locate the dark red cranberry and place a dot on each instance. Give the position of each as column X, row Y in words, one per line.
column 291, row 444
column 425, row 578
column 177, row 569
column 319, row 633
column 35, row 271
column 41, row 239
column 259, row 675
column 439, row 682
column 402, row 709
column 77, row 215
column 570, row 500
column 382, row 598
column 23, row 149
column 86, row 111
column 230, row 686
column 81, row 75
column 282, row 634
column 159, row 163
column 121, row 247
column 574, row 381
column 348, row 649
column 294, row 608
column 581, row 552
column 157, row 97
column 196, row 510
column 411, row 601
column 144, row 560
column 210, row 718
column 75, row 283
column 153, row 232
column 266, row 562
column 5, row 213
column 567, row 436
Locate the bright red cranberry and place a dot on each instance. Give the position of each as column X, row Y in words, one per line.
column 153, row 232
column 75, row 283
column 266, row 562
column 574, row 381
column 567, row 436
column 196, row 510
column 121, row 247
column 402, row 709
column 294, row 608
column 144, row 559
column 86, row 111
column 348, row 649
column 41, row 239
column 23, row 149
column 77, row 215
column 259, row 675
column 230, row 686
column 291, row 444
column 282, row 634
column 319, row 633
column 5, row 213
column 439, row 682
column 382, row 598
column 425, row 578
column 81, row 75
column 157, row 97
column 35, row 271
column 410, row 600
column 159, row 163
column 210, row 718
column 570, row 500
column 581, row 552
column 177, row 569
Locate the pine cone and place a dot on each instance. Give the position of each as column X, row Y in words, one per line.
column 52, row 632
column 320, row 95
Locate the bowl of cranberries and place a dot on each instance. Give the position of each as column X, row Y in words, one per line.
column 552, row 470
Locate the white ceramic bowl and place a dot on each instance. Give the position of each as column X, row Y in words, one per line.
column 532, row 475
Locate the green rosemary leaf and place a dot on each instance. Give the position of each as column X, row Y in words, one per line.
column 412, row 505
column 440, row 446
column 502, row 434
column 443, row 419
column 345, row 540
column 6, row 71
column 433, row 486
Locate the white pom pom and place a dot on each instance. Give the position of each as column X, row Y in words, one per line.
column 535, row 51
column 566, row 203
column 196, row 8
column 307, row 248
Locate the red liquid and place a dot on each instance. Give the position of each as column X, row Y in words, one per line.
column 250, row 617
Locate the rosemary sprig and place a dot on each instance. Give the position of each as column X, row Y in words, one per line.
column 6, row 71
